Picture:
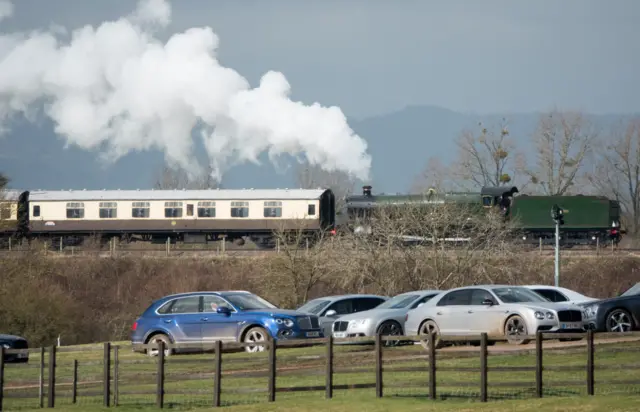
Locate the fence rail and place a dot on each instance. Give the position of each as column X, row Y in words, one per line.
column 111, row 371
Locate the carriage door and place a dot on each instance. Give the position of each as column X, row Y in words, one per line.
column 190, row 210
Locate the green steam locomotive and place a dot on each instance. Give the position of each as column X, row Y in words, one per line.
column 588, row 220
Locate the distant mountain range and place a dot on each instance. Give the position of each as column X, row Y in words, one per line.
column 400, row 143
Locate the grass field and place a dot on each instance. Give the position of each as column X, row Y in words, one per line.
column 189, row 379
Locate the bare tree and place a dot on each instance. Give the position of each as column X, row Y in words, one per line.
column 487, row 159
column 617, row 171
column 174, row 178
column 302, row 263
column 5, row 205
column 435, row 175
column 563, row 141
column 311, row 177
column 426, row 243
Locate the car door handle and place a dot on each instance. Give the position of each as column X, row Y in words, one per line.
column 168, row 320
column 204, row 319
column 469, row 311
column 439, row 313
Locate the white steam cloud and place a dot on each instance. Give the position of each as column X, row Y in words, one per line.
column 117, row 89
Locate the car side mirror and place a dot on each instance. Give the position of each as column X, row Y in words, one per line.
column 223, row 310
column 331, row 313
column 488, row 302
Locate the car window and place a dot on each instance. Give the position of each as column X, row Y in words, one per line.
column 313, row 306
column 211, row 303
column 362, row 304
column 245, row 301
column 552, row 295
column 518, row 294
column 480, row 295
column 342, row 307
column 185, row 305
column 456, row 298
column 398, row 302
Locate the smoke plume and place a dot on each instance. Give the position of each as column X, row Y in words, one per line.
column 116, row 88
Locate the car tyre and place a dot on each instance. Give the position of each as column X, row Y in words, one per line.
column 390, row 328
column 154, row 340
column 619, row 320
column 255, row 335
column 427, row 327
column 514, row 327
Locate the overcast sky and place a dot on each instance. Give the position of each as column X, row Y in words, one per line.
column 372, row 56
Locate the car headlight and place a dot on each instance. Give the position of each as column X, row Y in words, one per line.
column 358, row 322
column 286, row 322
column 6, row 346
column 590, row 311
column 541, row 315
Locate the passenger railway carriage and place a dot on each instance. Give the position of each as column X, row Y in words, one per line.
column 193, row 216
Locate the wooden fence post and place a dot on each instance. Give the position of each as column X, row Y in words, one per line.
column 432, row 366
column 329, row 381
column 539, row 364
column 74, row 383
column 483, row 367
column 160, row 376
column 1, row 376
column 106, row 370
column 116, row 351
column 217, row 384
column 272, row 370
column 590, row 363
column 378, row 366
column 51, row 390
column 41, row 382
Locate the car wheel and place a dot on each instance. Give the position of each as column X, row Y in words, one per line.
column 430, row 327
column 514, row 329
column 390, row 328
column 155, row 340
column 255, row 335
column 619, row 320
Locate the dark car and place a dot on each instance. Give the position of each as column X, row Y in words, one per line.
column 619, row 314
column 14, row 342
column 227, row 316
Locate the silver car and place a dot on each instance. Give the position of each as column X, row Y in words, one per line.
column 386, row 319
column 330, row 308
column 511, row 311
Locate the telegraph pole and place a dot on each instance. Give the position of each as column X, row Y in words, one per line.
column 557, row 214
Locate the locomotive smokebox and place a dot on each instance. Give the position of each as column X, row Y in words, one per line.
column 366, row 190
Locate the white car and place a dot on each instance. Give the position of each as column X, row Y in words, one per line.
column 511, row 311
column 560, row 295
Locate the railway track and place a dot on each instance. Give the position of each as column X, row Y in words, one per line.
column 246, row 252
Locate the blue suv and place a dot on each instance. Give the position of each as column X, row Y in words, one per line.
column 229, row 316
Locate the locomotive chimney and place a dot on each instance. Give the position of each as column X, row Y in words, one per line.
column 366, row 190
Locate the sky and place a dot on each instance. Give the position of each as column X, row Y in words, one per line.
column 371, row 57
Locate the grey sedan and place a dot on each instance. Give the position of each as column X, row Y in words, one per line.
column 387, row 319
column 330, row 308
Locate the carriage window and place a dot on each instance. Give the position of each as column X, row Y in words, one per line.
column 108, row 210
column 36, row 210
column 172, row 209
column 272, row 209
column 487, row 201
column 140, row 209
column 311, row 210
column 206, row 209
column 239, row 209
column 75, row 210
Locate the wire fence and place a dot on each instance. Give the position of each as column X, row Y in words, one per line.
column 218, row 374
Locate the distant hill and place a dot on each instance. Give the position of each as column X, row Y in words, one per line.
column 399, row 142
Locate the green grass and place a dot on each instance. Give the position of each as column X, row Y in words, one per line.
column 189, row 378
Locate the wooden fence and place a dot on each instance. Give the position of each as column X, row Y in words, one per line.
column 111, row 386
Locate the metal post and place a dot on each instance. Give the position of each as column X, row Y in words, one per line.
column 557, row 277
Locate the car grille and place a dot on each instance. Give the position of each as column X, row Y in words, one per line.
column 340, row 326
column 570, row 316
column 308, row 322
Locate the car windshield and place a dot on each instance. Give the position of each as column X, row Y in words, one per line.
column 313, row 306
column 633, row 290
column 398, row 302
column 518, row 295
column 246, row 301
